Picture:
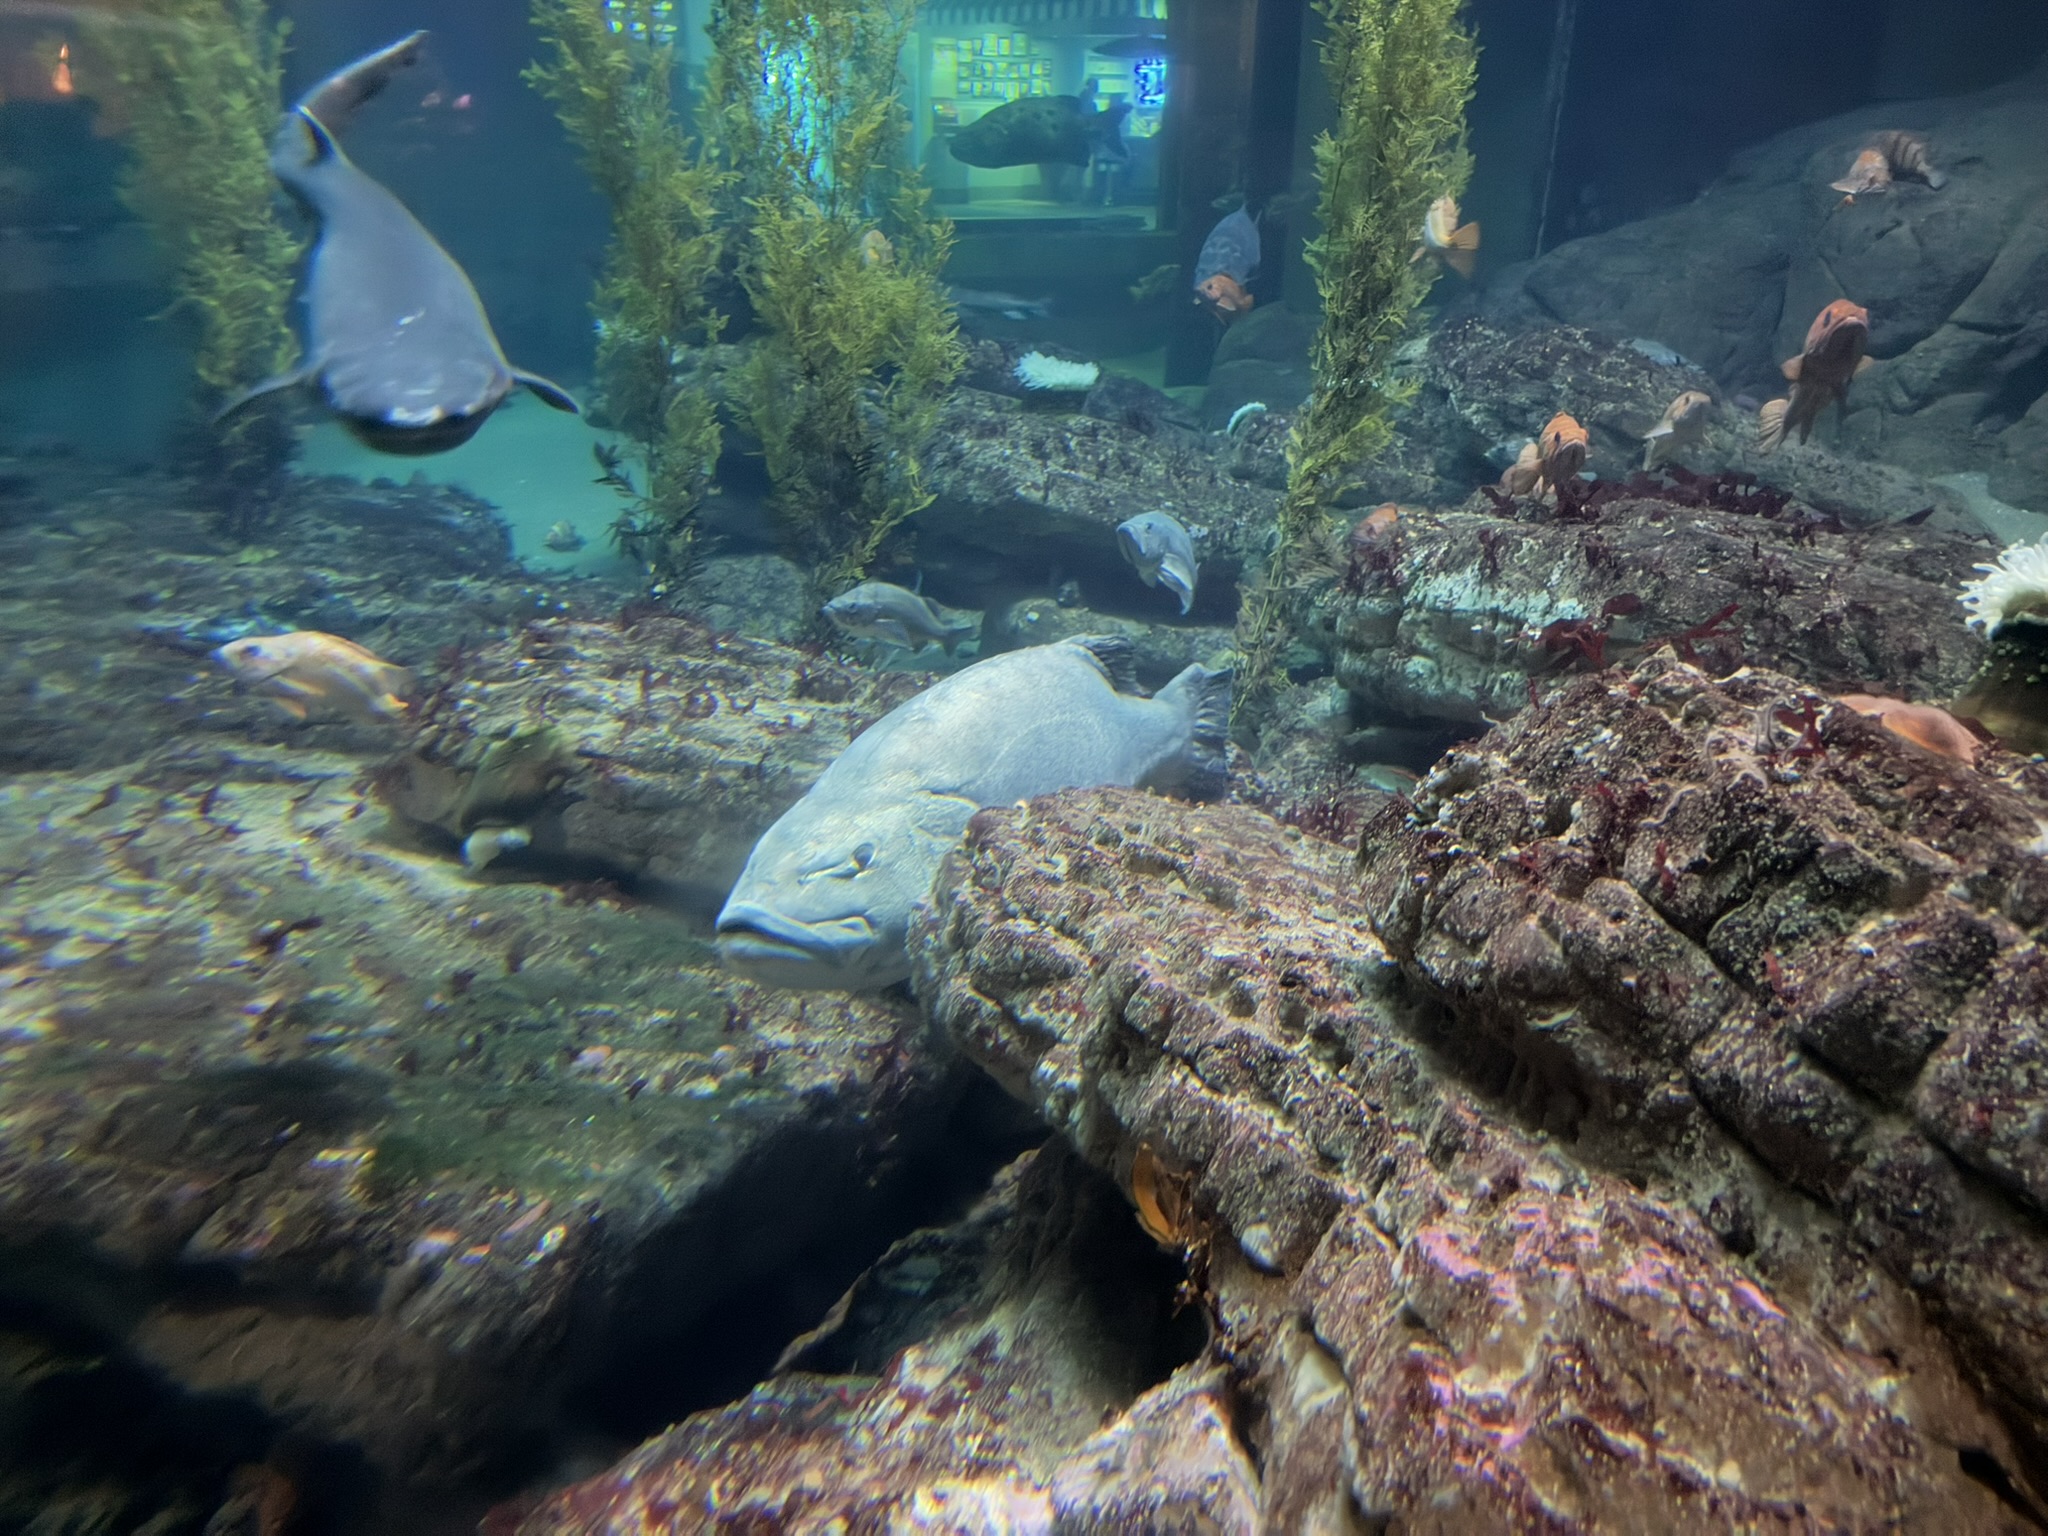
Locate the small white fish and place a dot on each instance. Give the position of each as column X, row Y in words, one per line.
column 486, row 843
column 1685, row 421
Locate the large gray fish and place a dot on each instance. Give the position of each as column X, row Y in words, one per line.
column 826, row 897
column 881, row 610
column 397, row 342
column 1229, row 257
column 1162, row 551
column 1043, row 130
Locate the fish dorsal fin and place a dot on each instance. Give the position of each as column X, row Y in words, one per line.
column 1791, row 367
column 324, row 147
column 1089, row 92
column 1117, row 655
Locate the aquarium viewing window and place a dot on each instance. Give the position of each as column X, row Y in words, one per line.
column 970, row 59
column 657, row 24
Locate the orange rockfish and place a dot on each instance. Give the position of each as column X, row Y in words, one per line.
column 1685, row 419
column 1443, row 237
column 1870, row 172
column 306, row 669
column 1226, row 294
column 1820, row 374
column 1554, row 458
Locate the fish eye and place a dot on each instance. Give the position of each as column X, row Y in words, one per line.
column 863, row 855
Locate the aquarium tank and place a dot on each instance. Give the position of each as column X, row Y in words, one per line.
column 1006, row 766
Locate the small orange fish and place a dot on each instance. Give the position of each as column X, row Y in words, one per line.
column 305, row 668
column 1685, row 419
column 1870, row 172
column 1819, row 375
column 875, row 249
column 1922, row 724
column 1444, row 238
column 1379, row 520
column 60, row 77
column 1226, row 293
column 1551, row 460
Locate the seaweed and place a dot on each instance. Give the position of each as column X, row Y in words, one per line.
column 195, row 85
column 841, row 261
column 1401, row 73
column 656, row 322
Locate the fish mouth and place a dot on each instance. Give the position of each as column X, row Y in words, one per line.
column 838, row 954
column 410, row 439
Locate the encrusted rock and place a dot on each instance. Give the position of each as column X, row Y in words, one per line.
column 1437, row 1321
column 390, row 1156
column 990, row 1376
column 1744, row 942
column 1450, row 616
column 1023, row 491
column 647, row 749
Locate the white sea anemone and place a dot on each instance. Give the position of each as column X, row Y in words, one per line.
column 1242, row 414
column 1037, row 371
column 2017, row 585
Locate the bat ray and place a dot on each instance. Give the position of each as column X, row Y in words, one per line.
column 397, row 342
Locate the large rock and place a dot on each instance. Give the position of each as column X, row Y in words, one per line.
column 1952, row 279
column 1750, row 945
column 395, row 1157
column 996, row 1375
column 1457, row 616
column 1027, row 492
column 118, row 587
column 647, row 749
column 1433, row 1320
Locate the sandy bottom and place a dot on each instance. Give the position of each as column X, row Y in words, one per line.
column 531, row 463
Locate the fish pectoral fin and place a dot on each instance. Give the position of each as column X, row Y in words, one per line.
column 1771, row 425
column 1662, row 429
column 294, row 707
column 1461, row 261
column 1864, row 362
column 271, row 386
column 1466, row 237
column 550, row 392
column 1791, row 368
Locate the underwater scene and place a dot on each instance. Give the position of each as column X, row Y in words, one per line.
column 1089, row 767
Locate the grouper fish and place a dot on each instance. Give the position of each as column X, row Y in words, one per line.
column 397, row 343
column 826, row 897
column 1043, row 130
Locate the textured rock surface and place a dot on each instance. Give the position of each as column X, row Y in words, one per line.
column 1482, row 390
column 1025, row 489
column 398, row 1155
column 1445, row 617
column 1738, row 939
column 1433, row 1320
column 118, row 588
column 646, row 749
column 1952, row 280
column 991, row 1376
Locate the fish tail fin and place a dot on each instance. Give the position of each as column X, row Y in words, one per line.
column 1771, row 425
column 1117, row 655
column 1935, row 179
column 1204, row 692
column 1461, row 261
column 961, row 627
column 1465, row 237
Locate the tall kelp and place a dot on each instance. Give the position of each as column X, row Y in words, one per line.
column 841, row 260
column 195, row 86
column 1402, row 74
column 611, row 81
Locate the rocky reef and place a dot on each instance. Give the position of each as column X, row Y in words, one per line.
column 1951, row 278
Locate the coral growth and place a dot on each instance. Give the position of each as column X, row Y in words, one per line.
column 198, row 98
column 611, row 87
column 1402, row 72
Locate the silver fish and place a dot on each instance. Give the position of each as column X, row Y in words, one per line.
column 397, row 342
column 826, row 897
column 1162, row 551
column 1009, row 305
column 881, row 610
